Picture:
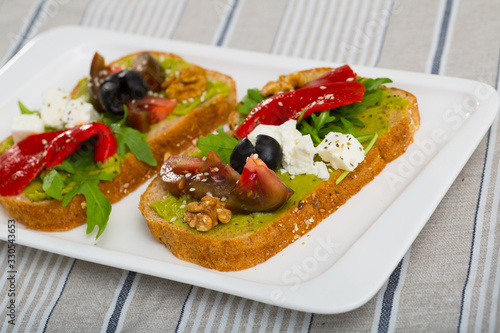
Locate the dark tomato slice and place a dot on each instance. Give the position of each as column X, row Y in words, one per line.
column 215, row 178
column 199, row 177
column 158, row 108
column 137, row 118
column 150, row 69
column 259, row 189
column 98, row 73
column 177, row 172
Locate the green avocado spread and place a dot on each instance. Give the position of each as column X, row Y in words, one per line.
column 172, row 208
column 35, row 191
column 376, row 119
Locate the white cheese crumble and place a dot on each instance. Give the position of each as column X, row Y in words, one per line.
column 298, row 149
column 298, row 155
column 79, row 112
column 52, row 111
column 25, row 125
column 342, row 151
column 60, row 111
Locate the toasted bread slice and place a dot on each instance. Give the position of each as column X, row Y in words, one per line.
column 168, row 136
column 230, row 252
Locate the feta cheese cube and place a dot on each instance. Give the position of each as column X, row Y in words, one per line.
column 79, row 112
column 25, row 125
column 54, row 103
column 321, row 171
column 342, row 151
column 282, row 133
column 298, row 156
column 289, row 132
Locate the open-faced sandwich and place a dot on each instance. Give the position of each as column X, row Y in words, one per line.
column 302, row 146
column 82, row 150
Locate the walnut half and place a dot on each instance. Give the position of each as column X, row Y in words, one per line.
column 206, row 214
column 190, row 83
column 285, row 83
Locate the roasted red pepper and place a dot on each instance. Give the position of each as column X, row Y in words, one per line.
column 327, row 92
column 339, row 74
column 24, row 161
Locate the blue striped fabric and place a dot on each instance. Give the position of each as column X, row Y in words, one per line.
column 51, row 309
column 120, row 301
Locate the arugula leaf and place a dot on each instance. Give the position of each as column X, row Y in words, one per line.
column 348, row 126
column 222, row 144
column 371, row 99
column 86, row 175
column 372, row 84
column 135, row 141
column 321, row 118
column 25, row 110
column 249, row 101
column 53, row 184
column 343, row 119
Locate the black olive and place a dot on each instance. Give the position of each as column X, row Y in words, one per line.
column 269, row 150
column 266, row 147
column 240, row 153
column 119, row 88
column 110, row 98
column 136, row 84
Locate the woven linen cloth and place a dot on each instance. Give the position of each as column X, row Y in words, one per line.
column 448, row 281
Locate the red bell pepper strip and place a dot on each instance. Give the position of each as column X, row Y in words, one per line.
column 278, row 109
column 339, row 74
column 24, row 161
column 68, row 143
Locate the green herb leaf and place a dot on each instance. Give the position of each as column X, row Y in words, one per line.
column 53, row 184
column 320, row 119
column 25, row 110
column 86, row 175
column 129, row 139
column 348, row 125
column 343, row 119
column 373, row 84
column 222, row 144
column 249, row 101
column 135, row 141
column 372, row 99
column 255, row 95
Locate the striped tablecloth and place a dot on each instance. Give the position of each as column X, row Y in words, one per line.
column 450, row 278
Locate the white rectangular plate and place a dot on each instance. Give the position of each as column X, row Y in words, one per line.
column 334, row 268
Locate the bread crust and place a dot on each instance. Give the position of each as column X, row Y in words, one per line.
column 253, row 248
column 168, row 136
column 248, row 250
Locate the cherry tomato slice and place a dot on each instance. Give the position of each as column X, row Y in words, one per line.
column 198, row 177
column 259, row 189
column 158, row 108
